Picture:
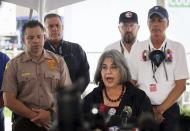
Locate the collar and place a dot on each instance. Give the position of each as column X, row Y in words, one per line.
column 136, row 41
column 161, row 47
column 51, row 43
column 123, row 49
column 26, row 57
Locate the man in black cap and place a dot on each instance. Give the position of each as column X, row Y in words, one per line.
column 128, row 27
column 158, row 65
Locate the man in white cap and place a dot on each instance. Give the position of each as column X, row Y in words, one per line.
column 158, row 66
column 128, row 27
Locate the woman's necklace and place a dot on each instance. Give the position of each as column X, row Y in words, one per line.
column 116, row 100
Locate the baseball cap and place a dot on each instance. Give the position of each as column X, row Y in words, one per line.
column 128, row 16
column 158, row 10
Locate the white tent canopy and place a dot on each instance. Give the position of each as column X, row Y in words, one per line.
column 43, row 6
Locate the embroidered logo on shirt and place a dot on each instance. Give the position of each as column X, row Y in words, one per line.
column 52, row 64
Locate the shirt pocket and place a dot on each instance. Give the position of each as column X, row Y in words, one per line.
column 52, row 79
column 26, row 84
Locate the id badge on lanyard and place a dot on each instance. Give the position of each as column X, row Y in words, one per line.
column 153, row 88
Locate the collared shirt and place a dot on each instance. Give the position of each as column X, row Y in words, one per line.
column 34, row 82
column 166, row 74
column 118, row 45
column 3, row 61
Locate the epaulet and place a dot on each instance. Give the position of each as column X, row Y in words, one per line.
column 48, row 51
column 53, row 55
column 15, row 58
column 19, row 55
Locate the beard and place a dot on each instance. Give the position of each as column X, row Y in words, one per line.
column 129, row 38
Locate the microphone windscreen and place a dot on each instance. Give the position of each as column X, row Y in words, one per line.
column 127, row 112
column 111, row 111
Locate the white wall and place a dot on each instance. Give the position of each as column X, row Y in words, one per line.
column 179, row 28
column 8, row 19
column 93, row 23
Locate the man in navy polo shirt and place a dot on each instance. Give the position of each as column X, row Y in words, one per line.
column 3, row 61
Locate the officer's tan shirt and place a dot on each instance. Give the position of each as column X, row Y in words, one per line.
column 35, row 82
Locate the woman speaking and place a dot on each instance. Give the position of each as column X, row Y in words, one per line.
column 115, row 92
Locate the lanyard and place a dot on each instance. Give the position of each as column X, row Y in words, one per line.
column 122, row 49
column 57, row 50
column 154, row 67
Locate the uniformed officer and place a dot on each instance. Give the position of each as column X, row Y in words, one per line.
column 30, row 81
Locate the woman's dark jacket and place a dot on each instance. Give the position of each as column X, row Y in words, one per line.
column 133, row 97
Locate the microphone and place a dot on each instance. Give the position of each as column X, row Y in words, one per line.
column 96, row 119
column 111, row 112
column 114, row 122
column 125, row 115
column 69, row 115
column 119, row 121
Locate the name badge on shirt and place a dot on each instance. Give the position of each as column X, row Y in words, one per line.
column 153, row 87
